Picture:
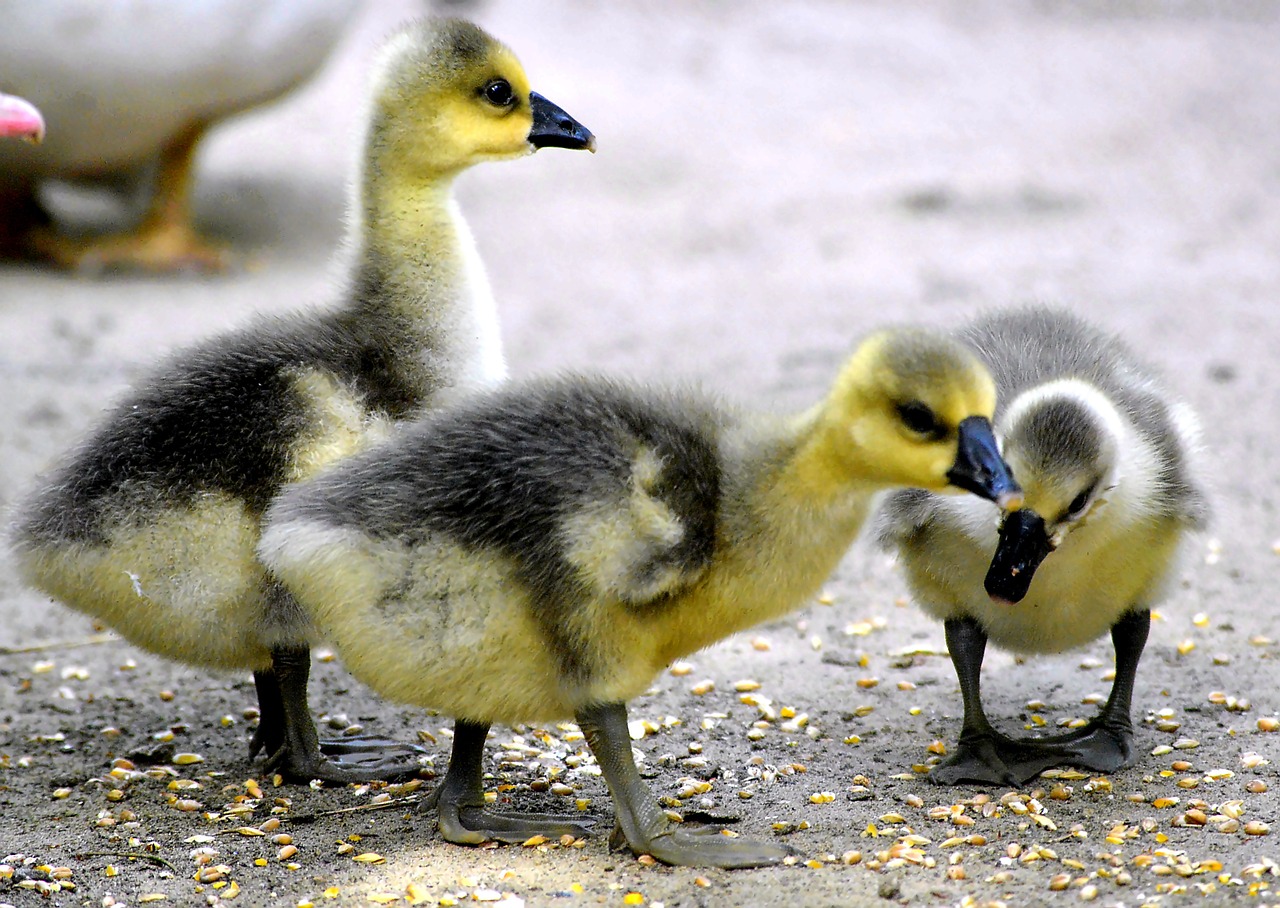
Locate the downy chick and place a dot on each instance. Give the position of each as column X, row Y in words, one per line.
column 150, row 526
column 1106, row 458
column 543, row 552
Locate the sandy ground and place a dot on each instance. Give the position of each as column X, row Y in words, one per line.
column 773, row 180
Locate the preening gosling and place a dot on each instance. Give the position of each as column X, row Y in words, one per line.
column 151, row 524
column 544, row 551
column 1106, row 457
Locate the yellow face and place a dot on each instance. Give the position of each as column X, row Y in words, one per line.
column 898, row 404
column 484, row 113
column 447, row 96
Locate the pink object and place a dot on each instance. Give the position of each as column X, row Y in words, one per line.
column 20, row 118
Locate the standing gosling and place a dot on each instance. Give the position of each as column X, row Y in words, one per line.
column 151, row 525
column 544, row 552
column 1106, row 458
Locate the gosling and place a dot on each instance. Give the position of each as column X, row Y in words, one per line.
column 1107, row 460
column 151, row 524
column 545, row 551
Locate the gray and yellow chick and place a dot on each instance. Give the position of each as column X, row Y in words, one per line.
column 1107, row 459
column 151, row 524
column 544, row 551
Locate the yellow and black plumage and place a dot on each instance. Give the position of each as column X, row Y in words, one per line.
column 543, row 551
column 150, row 525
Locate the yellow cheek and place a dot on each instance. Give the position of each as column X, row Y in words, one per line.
column 479, row 134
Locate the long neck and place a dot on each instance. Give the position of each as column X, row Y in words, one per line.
column 787, row 518
column 417, row 271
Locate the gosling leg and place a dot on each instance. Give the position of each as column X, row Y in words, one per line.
column 640, row 824
column 459, row 800
column 984, row 755
column 269, row 735
column 1106, row 743
column 293, row 747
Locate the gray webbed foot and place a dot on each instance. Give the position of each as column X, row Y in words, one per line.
column 287, row 735
column 645, row 829
column 468, row 824
column 1102, row 747
column 463, row 817
column 996, row 760
column 359, row 745
column 690, row 845
column 344, row 768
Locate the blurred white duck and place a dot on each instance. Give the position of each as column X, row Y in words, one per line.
column 20, row 119
column 124, row 86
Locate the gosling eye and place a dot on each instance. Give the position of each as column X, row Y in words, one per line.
column 918, row 418
column 1079, row 504
column 498, row 93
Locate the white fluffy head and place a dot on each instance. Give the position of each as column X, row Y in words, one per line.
column 1077, row 457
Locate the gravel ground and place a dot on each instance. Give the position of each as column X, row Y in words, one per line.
column 773, row 180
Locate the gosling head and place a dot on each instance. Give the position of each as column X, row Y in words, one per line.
column 1063, row 441
column 914, row 408
column 20, row 119
column 447, row 95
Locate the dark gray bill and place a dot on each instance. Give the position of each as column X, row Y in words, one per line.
column 553, row 128
column 979, row 468
column 1024, row 543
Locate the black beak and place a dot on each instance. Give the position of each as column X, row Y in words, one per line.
column 553, row 128
column 1024, row 543
column 979, row 468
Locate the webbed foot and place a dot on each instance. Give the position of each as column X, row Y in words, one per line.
column 164, row 241
column 344, row 767
column 157, row 248
column 474, row 824
column 645, row 829
column 1102, row 748
column 700, row 846
column 996, row 760
column 287, row 735
column 463, row 817
column 366, row 744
